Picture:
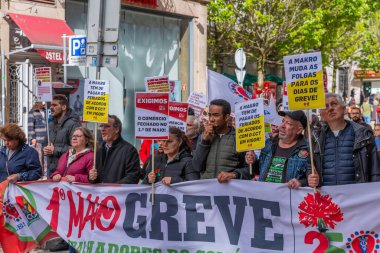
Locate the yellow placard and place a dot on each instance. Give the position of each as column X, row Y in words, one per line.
column 251, row 135
column 96, row 109
column 306, row 93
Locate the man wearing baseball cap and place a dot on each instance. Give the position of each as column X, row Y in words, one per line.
column 285, row 158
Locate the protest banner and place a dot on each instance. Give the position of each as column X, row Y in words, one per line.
column 198, row 102
column 44, row 92
column 250, row 125
column 96, row 94
column 304, row 81
column 178, row 115
column 157, row 84
column 199, row 216
column 152, row 115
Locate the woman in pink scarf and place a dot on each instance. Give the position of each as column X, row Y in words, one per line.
column 75, row 164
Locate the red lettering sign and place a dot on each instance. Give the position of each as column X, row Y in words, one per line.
column 51, row 55
column 107, row 210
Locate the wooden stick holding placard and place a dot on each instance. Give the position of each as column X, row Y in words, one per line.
column 153, row 172
column 313, row 170
column 95, row 143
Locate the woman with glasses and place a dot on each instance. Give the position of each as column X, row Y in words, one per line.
column 75, row 164
column 176, row 164
column 18, row 161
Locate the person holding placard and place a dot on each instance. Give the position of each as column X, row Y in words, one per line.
column 216, row 155
column 61, row 129
column 175, row 164
column 284, row 159
column 117, row 161
column 345, row 152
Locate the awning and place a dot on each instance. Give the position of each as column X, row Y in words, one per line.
column 45, row 34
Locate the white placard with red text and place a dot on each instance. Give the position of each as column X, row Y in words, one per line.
column 197, row 101
column 44, row 92
column 152, row 115
column 178, row 115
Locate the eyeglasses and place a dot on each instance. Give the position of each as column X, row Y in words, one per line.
column 76, row 136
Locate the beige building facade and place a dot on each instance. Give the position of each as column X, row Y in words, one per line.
column 156, row 37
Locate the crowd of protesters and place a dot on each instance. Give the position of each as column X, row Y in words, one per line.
column 345, row 149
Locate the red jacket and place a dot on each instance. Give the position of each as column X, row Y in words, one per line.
column 78, row 168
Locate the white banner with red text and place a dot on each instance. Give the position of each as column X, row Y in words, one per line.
column 198, row 217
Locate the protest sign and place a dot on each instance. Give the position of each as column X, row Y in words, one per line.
column 152, row 115
column 42, row 74
column 197, row 101
column 270, row 113
column 250, row 125
column 44, row 92
column 304, row 81
column 198, row 216
column 175, row 90
column 157, row 84
column 96, row 93
column 178, row 115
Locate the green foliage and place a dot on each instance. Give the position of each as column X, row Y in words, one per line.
column 343, row 30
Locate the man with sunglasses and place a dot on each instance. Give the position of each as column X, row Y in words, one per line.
column 117, row 161
column 344, row 152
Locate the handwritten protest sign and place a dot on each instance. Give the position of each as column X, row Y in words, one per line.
column 178, row 115
column 250, row 125
column 304, row 79
column 152, row 115
column 44, row 92
column 197, row 101
column 157, row 84
column 96, row 94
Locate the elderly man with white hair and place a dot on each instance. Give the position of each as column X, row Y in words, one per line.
column 192, row 130
column 344, row 152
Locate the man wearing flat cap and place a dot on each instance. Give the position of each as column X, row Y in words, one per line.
column 284, row 158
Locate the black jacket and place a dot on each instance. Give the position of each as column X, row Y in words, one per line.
column 365, row 160
column 60, row 136
column 121, row 164
column 179, row 169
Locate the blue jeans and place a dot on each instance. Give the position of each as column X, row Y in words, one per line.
column 72, row 249
column 367, row 119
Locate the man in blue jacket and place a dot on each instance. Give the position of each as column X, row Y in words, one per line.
column 344, row 152
column 284, row 159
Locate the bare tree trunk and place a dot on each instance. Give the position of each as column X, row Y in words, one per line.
column 261, row 72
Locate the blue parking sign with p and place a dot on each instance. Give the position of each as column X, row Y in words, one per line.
column 78, row 46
